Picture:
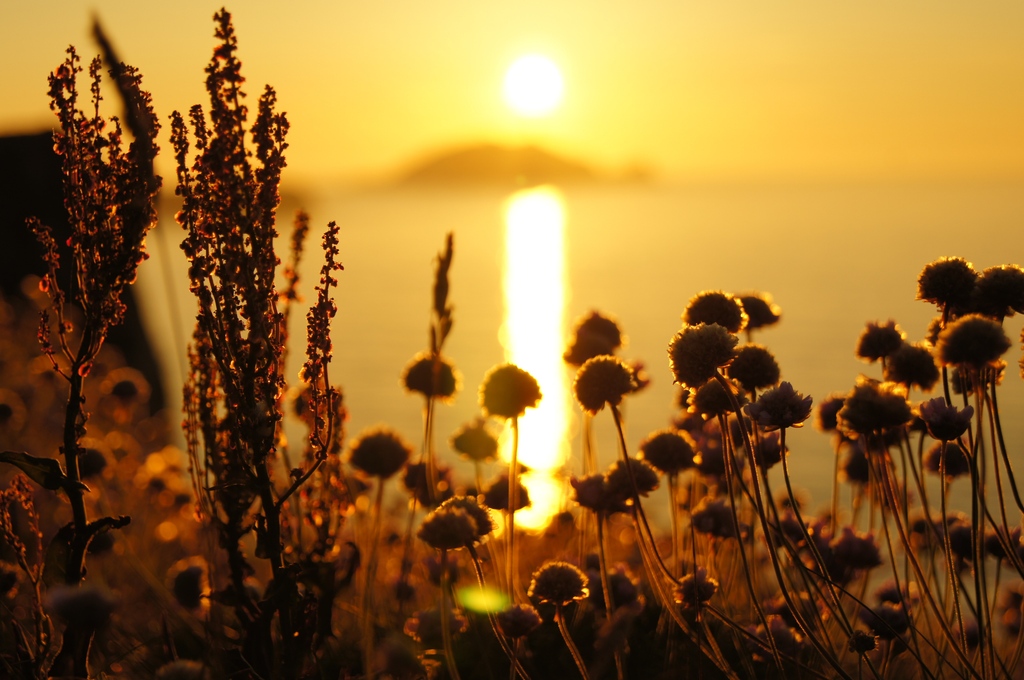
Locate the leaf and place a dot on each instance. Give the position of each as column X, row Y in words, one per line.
column 55, row 565
column 46, row 472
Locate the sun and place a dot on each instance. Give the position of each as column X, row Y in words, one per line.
column 533, row 86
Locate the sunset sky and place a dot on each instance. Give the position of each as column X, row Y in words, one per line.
column 735, row 89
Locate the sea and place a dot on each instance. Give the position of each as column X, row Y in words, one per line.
column 527, row 264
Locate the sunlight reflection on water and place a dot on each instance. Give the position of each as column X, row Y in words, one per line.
column 532, row 335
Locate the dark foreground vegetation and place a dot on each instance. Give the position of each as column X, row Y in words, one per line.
column 253, row 555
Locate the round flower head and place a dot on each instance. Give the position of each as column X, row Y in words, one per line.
column 602, row 380
column 780, row 407
column 713, row 517
column 594, row 336
column 476, row 441
column 379, row 452
column 619, row 484
column 788, row 641
column 483, row 522
column 559, row 583
column 973, row 340
column 828, row 409
column 518, row 621
column 949, row 454
column 874, row 406
column 912, row 366
column 669, row 451
column 416, row 482
column 695, row 589
column 593, row 493
column 448, row 529
column 855, row 464
column 861, row 642
column 879, row 340
column 760, row 309
column 999, row 292
column 711, row 399
column 507, row 391
column 855, row 550
column 769, row 450
column 85, row 606
column 437, row 380
column 697, row 352
column 716, row 307
column 947, row 282
column 944, row 421
column 425, row 626
column 496, row 495
column 754, row 368
column 888, row 620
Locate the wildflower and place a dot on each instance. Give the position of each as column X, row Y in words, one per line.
column 483, row 522
column 602, row 380
column 507, row 391
column 91, row 462
column 593, row 493
column 624, row 588
column 416, row 482
column 643, row 475
column 780, row 407
column 476, row 441
column 947, row 282
column 961, row 537
column 855, row 467
column 449, row 529
column 912, row 365
column 994, row 544
column 888, row 620
column 697, row 352
column 861, row 642
column 787, row 640
column 716, row 307
column 828, row 410
column 999, row 292
column 973, row 340
column 950, row 455
column 761, row 310
column 711, row 400
column 189, row 585
column 559, row 583
column 380, row 452
column 669, row 451
column 874, row 406
column 84, row 607
column 425, row 626
column 769, row 450
column 433, row 378
column 695, row 589
column 879, row 341
column 435, row 574
column 595, row 335
column 855, row 550
column 754, row 368
column 714, row 517
column 518, row 621
column 945, row 422
column 496, row 495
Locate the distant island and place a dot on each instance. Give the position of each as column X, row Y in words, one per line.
column 505, row 166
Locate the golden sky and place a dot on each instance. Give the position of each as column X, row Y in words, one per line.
column 731, row 89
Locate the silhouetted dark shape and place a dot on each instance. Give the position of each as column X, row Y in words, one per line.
column 494, row 165
column 31, row 185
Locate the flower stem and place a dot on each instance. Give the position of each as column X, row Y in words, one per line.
column 564, row 630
